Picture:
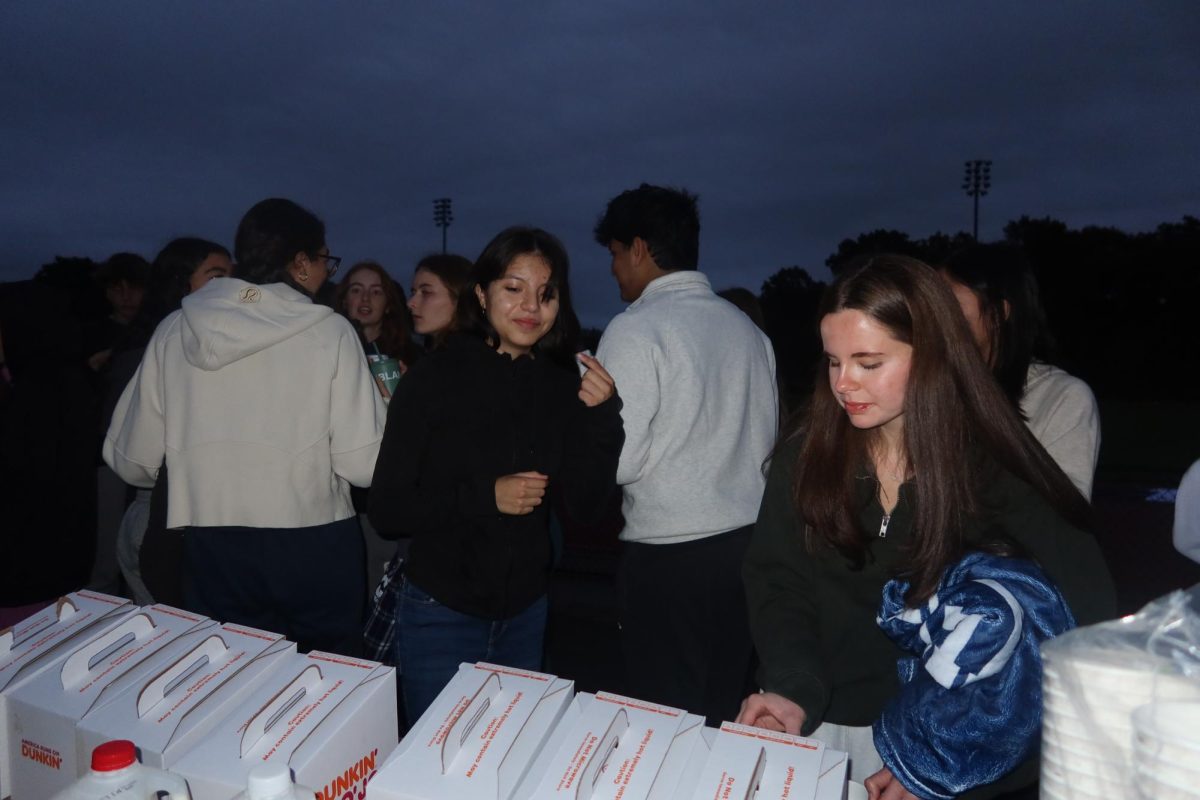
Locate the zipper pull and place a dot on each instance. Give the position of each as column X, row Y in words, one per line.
column 883, row 525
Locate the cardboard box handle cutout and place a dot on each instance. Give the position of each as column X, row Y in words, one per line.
column 600, row 756
column 8, row 637
column 80, row 663
column 459, row 731
column 66, row 609
column 760, row 766
column 153, row 692
column 304, row 683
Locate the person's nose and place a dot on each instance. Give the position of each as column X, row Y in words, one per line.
column 844, row 383
column 412, row 303
column 529, row 302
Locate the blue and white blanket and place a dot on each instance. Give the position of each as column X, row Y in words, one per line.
column 970, row 705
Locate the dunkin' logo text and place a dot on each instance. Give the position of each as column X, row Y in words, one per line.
column 40, row 754
column 351, row 784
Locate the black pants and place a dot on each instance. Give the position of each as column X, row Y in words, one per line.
column 305, row 583
column 685, row 637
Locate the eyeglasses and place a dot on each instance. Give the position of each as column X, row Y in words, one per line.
column 331, row 264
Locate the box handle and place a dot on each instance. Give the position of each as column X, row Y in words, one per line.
column 304, row 683
column 80, row 663
column 153, row 692
column 760, row 766
column 66, row 609
column 608, row 743
column 462, row 726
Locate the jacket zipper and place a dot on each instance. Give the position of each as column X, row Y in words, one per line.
column 883, row 525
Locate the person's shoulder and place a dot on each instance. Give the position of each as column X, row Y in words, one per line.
column 1046, row 378
column 633, row 327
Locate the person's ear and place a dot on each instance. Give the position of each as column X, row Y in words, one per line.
column 482, row 297
column 638, row 250
column 299, row 267
column 1007, row 308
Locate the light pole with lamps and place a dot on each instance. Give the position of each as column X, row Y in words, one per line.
column 442, row 217
column 977, row 179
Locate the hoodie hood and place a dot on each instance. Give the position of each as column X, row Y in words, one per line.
column 229, row 319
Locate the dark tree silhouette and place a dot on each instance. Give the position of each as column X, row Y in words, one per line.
column 789, row 301
column 932, row 250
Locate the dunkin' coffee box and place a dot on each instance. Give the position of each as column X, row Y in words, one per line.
column 42, row 640
column 752, row 762
column 170, row 703
column 478, row 739
column 44, row 710
column 331, row 719
column 610, row 747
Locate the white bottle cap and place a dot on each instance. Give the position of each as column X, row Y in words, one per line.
column 268, row 781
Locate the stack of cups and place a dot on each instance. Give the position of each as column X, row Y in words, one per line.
column 1089, row 696
column 1166, row 750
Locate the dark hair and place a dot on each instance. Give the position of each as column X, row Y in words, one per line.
column 171, row 274
column 394, row 339
column 169, row 282
column 955, row 418
column 665, row 219
column 269, row 237
column 1000, row 274
column 454, row 271
column 123, row 268
column 559, row 342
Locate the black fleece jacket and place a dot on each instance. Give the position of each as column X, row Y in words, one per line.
column 459, row 420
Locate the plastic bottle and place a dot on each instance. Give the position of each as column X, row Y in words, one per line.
column 273, row 782
column 116, row 772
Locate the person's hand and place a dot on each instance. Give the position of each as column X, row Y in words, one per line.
column 520, row 493
column 884, row 786
column 773, row 712
column 98, row 361
column 597, row 385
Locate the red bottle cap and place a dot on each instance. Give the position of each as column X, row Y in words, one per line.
column 112, row 756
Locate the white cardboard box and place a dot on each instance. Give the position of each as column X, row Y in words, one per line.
column 172, row 701
column 44, row 710
column 38, row 642
column 609, row 747
column 330, row 718
column 478, row 739
column 781, row 766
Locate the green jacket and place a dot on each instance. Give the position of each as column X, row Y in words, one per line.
column 813, row 617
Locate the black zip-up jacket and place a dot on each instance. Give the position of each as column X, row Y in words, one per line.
column 813, row 617
column 459, row 420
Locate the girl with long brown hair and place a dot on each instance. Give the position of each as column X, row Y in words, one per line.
column 374, row 302
column 908, row 457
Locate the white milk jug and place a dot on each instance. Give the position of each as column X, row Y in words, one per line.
column 116, row 773
column 273, row 782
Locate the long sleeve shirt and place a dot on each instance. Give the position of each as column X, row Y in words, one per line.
column 701, row 410
column 813, row 617
column 461, row 419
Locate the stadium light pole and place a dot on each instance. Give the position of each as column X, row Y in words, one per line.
column 442, row 217
column 977, row 179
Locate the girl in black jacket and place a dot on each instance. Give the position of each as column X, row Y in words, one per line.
column 478, row 436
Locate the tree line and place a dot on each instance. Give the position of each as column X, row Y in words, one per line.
column 1121, row 306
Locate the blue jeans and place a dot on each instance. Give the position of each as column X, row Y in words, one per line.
column 432, row 640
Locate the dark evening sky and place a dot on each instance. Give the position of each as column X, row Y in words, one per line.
column 799, row 124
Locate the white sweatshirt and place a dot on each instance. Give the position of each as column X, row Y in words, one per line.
column 1063, row 416
column 262, row 405
column 700, row 408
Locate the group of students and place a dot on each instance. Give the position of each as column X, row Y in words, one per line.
column 915, row 543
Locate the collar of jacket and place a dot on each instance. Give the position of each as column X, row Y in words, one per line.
column 675, row 281
column 477, row 347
